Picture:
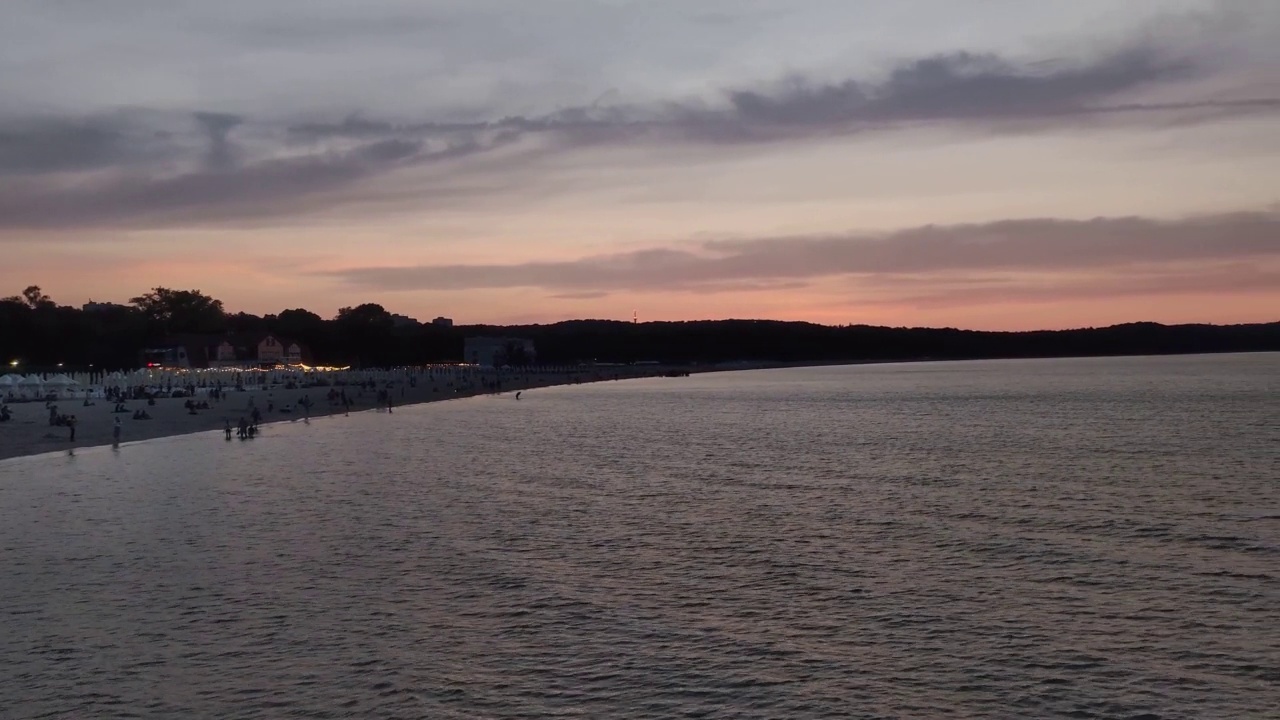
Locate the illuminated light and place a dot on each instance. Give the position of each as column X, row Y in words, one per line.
column 13, row 363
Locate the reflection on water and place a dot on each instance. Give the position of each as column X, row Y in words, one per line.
column 1074, row 538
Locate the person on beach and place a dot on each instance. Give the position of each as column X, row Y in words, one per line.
column 227, row 429
column 116, row 429
column 388, row 402
column 71, row 423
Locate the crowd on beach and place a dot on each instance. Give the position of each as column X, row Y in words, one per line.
column 107, row 409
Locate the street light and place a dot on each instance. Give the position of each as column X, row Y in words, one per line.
column 13, row 363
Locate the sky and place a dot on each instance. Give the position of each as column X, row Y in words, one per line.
column 986, row 164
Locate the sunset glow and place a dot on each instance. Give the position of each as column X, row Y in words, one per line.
column 990, row 165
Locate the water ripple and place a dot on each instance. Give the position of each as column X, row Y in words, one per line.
column 1051, row 539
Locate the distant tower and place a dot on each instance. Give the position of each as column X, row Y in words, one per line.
column 635, row 317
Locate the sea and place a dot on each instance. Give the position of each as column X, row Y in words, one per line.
column 1081, row 538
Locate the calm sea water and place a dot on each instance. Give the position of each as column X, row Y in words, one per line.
column 1041, row 539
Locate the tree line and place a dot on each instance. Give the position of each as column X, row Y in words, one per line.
column 44, row 334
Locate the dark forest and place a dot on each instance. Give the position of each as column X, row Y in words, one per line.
column 43, row 334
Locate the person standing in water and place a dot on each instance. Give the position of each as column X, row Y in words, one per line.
column 115, row 432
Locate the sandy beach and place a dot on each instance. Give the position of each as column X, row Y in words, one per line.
column 29, row 431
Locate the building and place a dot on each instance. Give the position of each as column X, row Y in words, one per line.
column 92, row 306
column 261, row 350
column 177, row 352
column 443, row 322
column 403, row 321
column 498, row 351
column 206, row 351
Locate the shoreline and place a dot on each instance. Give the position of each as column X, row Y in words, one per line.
column 29, row 434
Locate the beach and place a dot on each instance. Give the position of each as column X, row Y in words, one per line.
column 29, row 431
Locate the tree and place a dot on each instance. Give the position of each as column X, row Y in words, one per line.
column 299, row 324
column 365, row 334
column 245, row 323
column 35, row 298
column 368, row 315
column 182, row 311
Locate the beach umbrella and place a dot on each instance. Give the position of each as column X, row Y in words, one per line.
column 30, row 380
column 10, row 380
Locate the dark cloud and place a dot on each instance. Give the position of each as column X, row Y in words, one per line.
column 217, row 126
column 131, row 139
column 1037, row 245
column 146, row 167
column 964, row 85
column 1212, row 279
column 389, row 151
column 963, row 88
column 967, row 87
column 271, row 187
column 73, row 175
column 356, row 126
column 52, row 144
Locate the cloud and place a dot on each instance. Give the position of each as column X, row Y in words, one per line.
column 964, row 86
column 266, row 188
column 1225, row 278
column 588, row 295
column 217, row 126
column 144, row 167
column 960, row 88
column 195, row 172
column 43, row 144
column 1015, row 246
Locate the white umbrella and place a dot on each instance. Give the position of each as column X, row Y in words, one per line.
column 30, row 380
column 10, row 380
column 60, row 381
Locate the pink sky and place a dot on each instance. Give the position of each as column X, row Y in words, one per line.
column 840, row 162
